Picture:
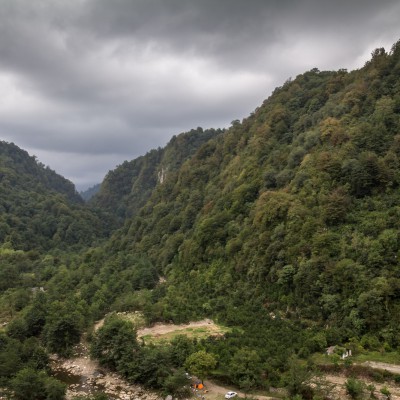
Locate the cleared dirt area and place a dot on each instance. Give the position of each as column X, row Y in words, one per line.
column 203, row 328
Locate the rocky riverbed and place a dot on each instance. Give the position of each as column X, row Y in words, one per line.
column 84, row 377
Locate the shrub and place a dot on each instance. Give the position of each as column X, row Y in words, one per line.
column 355, row 388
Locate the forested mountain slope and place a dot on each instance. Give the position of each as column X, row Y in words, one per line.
column 127, row 188
column 284, row 227
column 90, row 192
column 294, row 210
column 40, row 209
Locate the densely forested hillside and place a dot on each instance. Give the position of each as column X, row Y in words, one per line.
column 43, row 224
column 53, row 282
column 284, row 227
column 127, row 188
column 89, row 193
column 40, row 209
column 295, row 209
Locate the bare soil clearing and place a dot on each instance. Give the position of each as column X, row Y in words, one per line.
column 203, row 328
column 162, row 329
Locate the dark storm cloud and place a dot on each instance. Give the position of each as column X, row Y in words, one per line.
column 100, row 81
column 237, row 33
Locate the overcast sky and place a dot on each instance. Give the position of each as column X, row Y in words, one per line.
column 87, row 84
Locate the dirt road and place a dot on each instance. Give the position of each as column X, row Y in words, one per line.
column 395, row 369
column 213, row 390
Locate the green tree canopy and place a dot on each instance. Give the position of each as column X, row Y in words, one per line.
column 201, row 364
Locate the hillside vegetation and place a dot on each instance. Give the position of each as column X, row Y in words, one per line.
column 286, row 226
column 295, row 209
column 40, row 209
column 126, row 189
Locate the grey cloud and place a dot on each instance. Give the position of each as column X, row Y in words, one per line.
column 99, row 81
column 231, row 31
column 75, row 165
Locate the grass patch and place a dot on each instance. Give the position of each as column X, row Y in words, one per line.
column 319, row 358
column 377, row 356
column 357, row 366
